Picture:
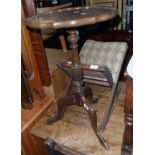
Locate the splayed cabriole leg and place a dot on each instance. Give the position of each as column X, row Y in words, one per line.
column 93, row 119
column 62, row 104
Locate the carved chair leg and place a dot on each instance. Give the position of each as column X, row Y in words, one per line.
column 93, row 119
column 62, row 104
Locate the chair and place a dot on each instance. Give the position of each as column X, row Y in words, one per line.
column 101, row 55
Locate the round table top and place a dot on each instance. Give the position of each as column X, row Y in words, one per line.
column 71, row 17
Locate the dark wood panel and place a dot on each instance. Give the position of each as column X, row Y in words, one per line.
column 39, row 145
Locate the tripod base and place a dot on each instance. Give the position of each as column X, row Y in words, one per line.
column 84, row 99
column 75, row 92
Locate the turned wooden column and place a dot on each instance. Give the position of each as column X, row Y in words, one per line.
column 128, row 132
column 76, row 71
column 73, row 38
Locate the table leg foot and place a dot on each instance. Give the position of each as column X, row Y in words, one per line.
column 93, row 119
column 62, row 104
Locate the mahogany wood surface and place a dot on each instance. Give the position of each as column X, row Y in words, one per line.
column 128, row 132
column 29, row 118
column 30, row 66
column 71, row 17
column 38, row 49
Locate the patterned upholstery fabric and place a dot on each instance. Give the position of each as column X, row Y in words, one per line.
column 104, row 53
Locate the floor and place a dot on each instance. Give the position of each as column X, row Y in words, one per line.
column 74, row 130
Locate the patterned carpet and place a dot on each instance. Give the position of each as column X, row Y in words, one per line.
column 74, row 130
